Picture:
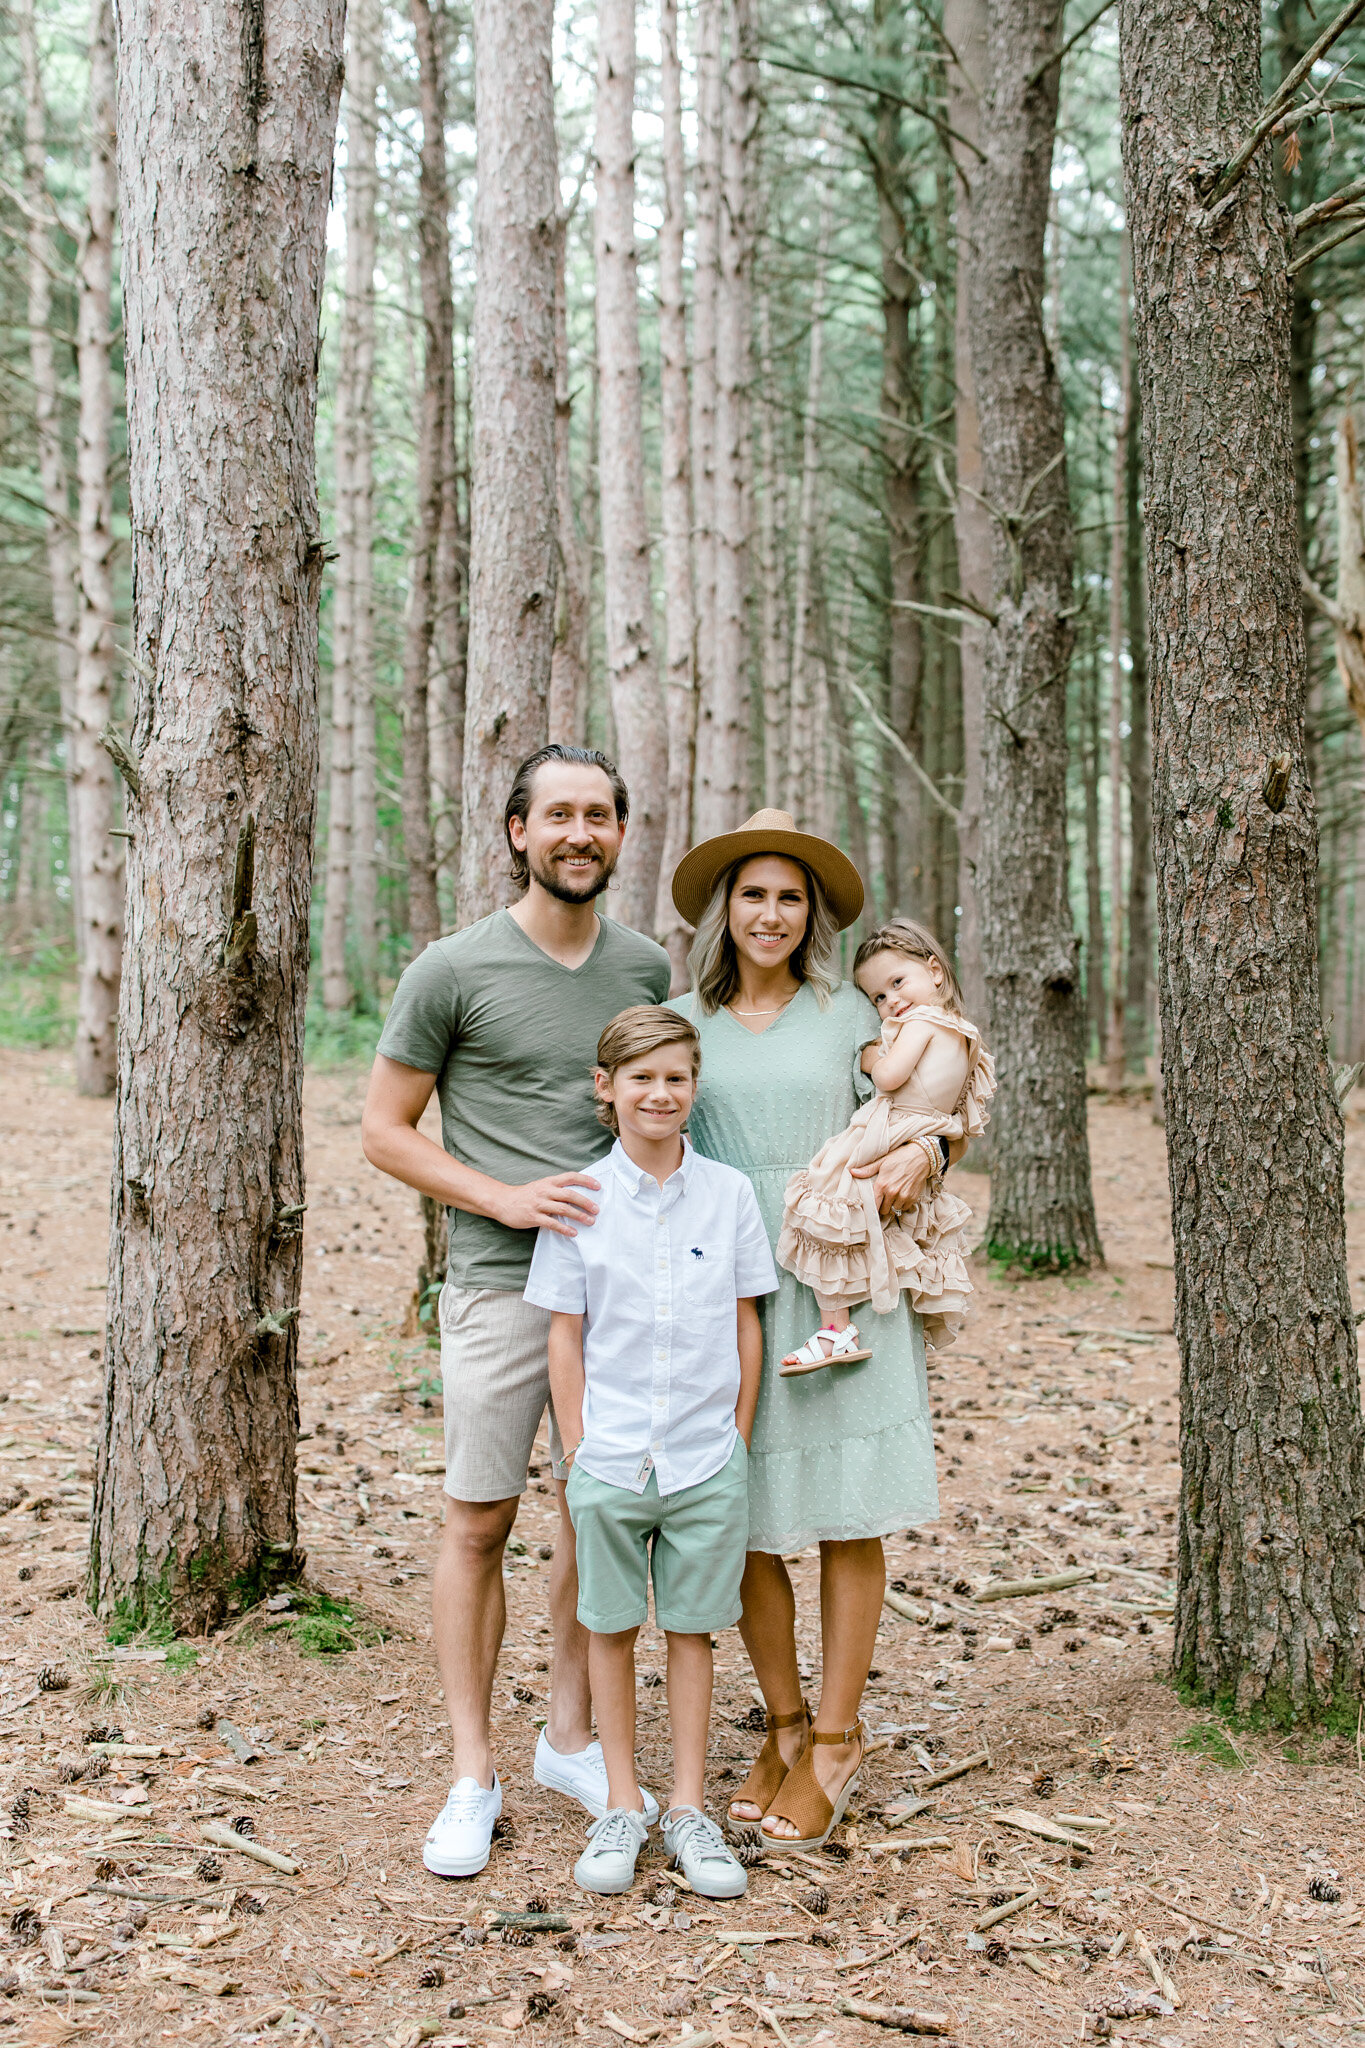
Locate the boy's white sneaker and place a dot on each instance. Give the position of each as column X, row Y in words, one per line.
column 581, row 1774
column 614, row 1842
column 697, row 1846
column 460, row 1838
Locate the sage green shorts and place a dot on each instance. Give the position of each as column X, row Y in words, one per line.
column 693, row 1542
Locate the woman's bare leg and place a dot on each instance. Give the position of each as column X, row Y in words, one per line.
column 852, row 1581
column 767, row 1629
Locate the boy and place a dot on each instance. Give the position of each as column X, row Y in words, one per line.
column 655, row 1356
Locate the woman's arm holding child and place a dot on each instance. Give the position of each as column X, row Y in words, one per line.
column 750, row 1336
column 567, row 1379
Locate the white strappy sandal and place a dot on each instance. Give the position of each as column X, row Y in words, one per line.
column 812, row 1356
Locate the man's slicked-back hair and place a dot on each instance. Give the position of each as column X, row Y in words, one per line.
column 523, row 790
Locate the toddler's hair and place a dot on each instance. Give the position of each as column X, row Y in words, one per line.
column 642, row 1029
column 916, row 942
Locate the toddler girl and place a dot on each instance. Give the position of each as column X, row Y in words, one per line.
column 933, row 1078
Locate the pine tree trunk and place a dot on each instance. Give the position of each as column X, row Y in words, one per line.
column 680, row 696
column 1094, row 887
column 723, row 725
column 1042, row 1212
column 569, row 659
column 1270, row 1568
column 362, row 184
column 98, row 855
column 225, row 158
column 1137, row 1027
column 805, row 653
column 348, row 851
column 513, row 548
column 632, row 664
column 52, row 469
column 772, row 543
column 433, row 248
column 964, row 26
column 710, row 17
column 1114, row 1043
column 901, row 401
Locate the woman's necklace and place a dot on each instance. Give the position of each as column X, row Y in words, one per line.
column 770, row 1011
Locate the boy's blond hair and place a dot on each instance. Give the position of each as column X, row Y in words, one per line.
column 641, row 1029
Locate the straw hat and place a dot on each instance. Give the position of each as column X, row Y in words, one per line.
column 768, row 832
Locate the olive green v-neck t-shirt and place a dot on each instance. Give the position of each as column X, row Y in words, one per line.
column 511, row 1036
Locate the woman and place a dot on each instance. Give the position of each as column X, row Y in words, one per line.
column 839, row 1457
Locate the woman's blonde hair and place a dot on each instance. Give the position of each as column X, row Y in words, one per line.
column 916, row 942
column 712, row 962
column 632, row 1033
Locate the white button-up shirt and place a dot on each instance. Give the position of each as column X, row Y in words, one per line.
column 656, row 1279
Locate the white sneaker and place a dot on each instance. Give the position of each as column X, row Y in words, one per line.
column 697, row 1847
column 582, row 1775
column 614, row 1842
column 461, row 1836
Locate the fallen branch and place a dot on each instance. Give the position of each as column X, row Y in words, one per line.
column 224, row 1837
column 1020, row 1589
column 907, row 2018
column 898, row 1604
column 959, row 1770
column 880, row 1955
column 539, row 1923
column 998, row 1913
column 1163, row 1983
column 915, row 1842
column 1046, row 1830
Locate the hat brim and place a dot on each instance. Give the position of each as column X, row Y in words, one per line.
column 699, row 871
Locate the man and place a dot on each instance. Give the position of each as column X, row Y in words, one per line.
column 503, row 1020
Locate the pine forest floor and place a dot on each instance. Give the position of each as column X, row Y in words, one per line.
column 1058, row 1448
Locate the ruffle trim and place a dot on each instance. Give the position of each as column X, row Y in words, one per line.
column 825, row 1245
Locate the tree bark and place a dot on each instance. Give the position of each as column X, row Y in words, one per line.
column 806, row 679
column 1114, row 1044
column 901, row 404
column 632, row 664
column 433, row 466
column 1042, row 1212
column 97, row 854
column 1094, row 885
column 723, row 724
column 680, row 624
column 52, row 470
column 225, row 156
column 513, row 545
column 351, row 777
column 569, row 658
column 1138, row 1024
column 772, row 509
column 1270, row 1568
column 710, row 20
column 964, row 24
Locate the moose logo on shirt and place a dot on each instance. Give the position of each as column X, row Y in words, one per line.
column 697, row 1252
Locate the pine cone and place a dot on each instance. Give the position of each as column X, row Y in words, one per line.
column 538, row 1903
column 1023, row 1641
column 517, row 1937
column 1044, row 1784
column 25, row 1573
column 99, row 1733
column 106, row 1868
column 244, row 1825
column 97, row 1767
column 661, row 1893
column 70, row 1774
column 430, row 1977
column 504, row 1830
column 568, row 1942
column 474, row 1937
column 24, row 1924
column 53, row 1678
column 823, row 1938
column 1324, row 1891
column 209, row 1870
column 996, row 1952
column 755, row 1721
column 749, row 1851
column 247, row 1902
column 206, row 1718
column 540, row 2004
column 19, row 1812
column 816, row 1900
column 838, row 1850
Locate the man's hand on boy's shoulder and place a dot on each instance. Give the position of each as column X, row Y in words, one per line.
column 554, row 1203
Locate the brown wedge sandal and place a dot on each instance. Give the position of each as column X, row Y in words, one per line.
column 769, row 1771
column 803, row 1800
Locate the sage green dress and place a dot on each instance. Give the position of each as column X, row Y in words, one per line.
column 849, row 1452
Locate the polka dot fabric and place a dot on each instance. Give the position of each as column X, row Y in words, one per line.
column 846, row 1453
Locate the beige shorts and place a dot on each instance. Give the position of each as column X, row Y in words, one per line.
column 495, row 1373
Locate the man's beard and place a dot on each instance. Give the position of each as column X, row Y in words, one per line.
column 553, row 883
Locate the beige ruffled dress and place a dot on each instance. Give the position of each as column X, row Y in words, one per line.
column 832, row 1238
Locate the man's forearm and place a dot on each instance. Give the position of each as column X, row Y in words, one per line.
column 409, row 1156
